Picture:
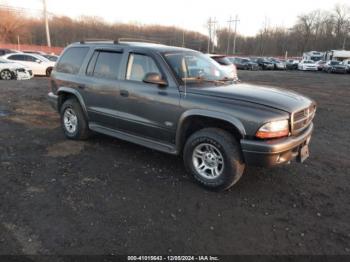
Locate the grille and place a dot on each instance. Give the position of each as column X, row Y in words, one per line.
column 303, row 118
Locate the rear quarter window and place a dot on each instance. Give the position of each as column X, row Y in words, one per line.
column 72, row 60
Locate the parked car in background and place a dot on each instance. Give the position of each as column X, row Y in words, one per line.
column 335, row 67
column 307, row 65
column 37, row 63
column 263, row 63
column 278, row 64
column 244, row 63
column 4, row 51
column 320, row 65
column 52, row 58
column 292, row 64
column 226, row 64
column 11, row 70
column 347, row 64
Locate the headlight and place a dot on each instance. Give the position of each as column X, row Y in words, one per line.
column 273, row 129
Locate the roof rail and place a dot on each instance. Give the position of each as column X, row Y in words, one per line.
column 140, row 40
column 93, row 40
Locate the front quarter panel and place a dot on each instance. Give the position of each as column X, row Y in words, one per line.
column 245, row 116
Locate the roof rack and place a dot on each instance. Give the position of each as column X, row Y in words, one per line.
column 119, row 41
column 94, row 40
column 140, row 40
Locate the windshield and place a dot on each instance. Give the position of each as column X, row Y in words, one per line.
column 222, row 60
column 308, row 62
column 335, row 63
column 193, row 67
column 51, row 57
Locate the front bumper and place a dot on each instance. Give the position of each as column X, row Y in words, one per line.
column 23, row 75
column 53, row 100
column 274, row 152
column 339, row 70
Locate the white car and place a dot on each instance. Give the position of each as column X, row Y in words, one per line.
column 347, row 64
column 226, row 65
column 308, row 65
column 11, row 70
column 37, row 63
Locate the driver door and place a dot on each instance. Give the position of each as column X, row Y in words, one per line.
column 148, row 110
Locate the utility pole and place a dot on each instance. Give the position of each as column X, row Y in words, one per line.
column 214, row 22
column 211, row 31
column 47, row 25
column 229, row 35
column 18, row 43
column 209, row 34
column 235, row 35
column 183, row 38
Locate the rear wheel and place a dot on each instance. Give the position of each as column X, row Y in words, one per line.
column 6, row 75
column 73, row 120
column 214, row 158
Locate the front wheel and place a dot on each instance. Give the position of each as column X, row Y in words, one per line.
column 6, row 75
column 214, row 158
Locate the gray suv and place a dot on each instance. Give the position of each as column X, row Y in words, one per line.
column 181, row 102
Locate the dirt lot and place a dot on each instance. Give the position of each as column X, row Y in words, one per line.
column 106, row 196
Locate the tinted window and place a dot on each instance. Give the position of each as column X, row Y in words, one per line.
column 91, row 66
column 71, row 60
column 139, row 66
column 29, row 58
column 107, row 65
column 17, row 57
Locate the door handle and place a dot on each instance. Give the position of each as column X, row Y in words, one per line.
column 124, row 93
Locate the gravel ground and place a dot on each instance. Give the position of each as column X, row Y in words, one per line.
column 106, row 196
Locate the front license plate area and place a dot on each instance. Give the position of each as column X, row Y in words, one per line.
column 304, row 153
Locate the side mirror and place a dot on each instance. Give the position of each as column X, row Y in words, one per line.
column 38, row 61
column 154, row 78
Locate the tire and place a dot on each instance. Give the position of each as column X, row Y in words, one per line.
column 48, row 71
column 6, row 75
column 230, row 163
column 73, row 121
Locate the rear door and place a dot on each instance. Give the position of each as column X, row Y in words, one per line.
column 101, row 87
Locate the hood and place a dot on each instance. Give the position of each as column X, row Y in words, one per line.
column 268, row 96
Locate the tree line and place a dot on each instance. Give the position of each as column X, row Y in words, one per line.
column 318, row 30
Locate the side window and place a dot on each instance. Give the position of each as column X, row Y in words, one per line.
column 139, row 66
column 107, row 65
column 17, row 57
column 71, row 60
column 92, row 63
column 29, row 58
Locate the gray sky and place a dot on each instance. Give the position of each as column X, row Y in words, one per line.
column 187, row 14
